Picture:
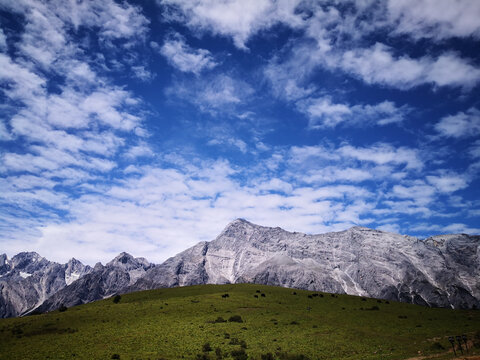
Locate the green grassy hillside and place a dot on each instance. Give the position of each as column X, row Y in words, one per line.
column 276, row 324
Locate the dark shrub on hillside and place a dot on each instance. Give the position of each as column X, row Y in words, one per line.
column 285, row 356
column 294, row 323
column 219, row 320
column 258, row 291
column 255, row 296
column 239, row 354
column 262, row 295
column 224, row 296
column 206, row 347
column 363, row 299
column 202, row 357
column 267, row 356
column 62, row 308
column 402, row 316
column 235, row 318
column 294, row 293
column 115, row 356
column 218, row 353
column 437, row 346
column 373, row 308
column 117, row 299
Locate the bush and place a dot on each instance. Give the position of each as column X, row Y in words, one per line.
column 294, row 323
column 206, row 347
column 236, row 318
column 262, row 295
column 202, row 357
column 116, row 299
column 437, row 346
column 285, row 356
column 239, row 354
column 62, row 308
column 375, row 307
column 219, row 320
column 218, row 353
column 115, row 356
column 267, row 356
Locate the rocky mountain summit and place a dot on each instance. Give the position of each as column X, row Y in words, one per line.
column 439, row 271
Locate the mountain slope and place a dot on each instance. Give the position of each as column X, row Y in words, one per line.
column 440, row 271
column 176, row 323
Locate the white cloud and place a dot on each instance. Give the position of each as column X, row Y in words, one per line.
column 462, row 124
column 3, row 40
column 384, row 154
column 238, row 19
column 421, row 193
column 460, row 228
column 185, row 58
column 337, row 39
column 448, row 182
column 229, row 141
column 378, row 65
column 475, row 149
column 215, row 94
column 140, row 150
column 323, row 113
column 435, row 19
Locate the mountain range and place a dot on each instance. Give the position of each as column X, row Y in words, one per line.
column 440, row 271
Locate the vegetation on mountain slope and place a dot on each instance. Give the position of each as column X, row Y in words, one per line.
column 237, row 322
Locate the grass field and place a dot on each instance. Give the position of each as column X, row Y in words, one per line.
column 277, row 323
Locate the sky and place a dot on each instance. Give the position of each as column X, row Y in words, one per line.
column 147, row 126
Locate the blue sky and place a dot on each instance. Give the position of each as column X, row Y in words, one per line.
column 146, row 126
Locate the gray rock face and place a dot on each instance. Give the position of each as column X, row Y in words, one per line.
column 28, row 279
column 102, row 282
column 440, row 271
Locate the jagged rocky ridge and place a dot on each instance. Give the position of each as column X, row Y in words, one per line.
column 439, row 271
column 102, row 282
column 28, row 279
